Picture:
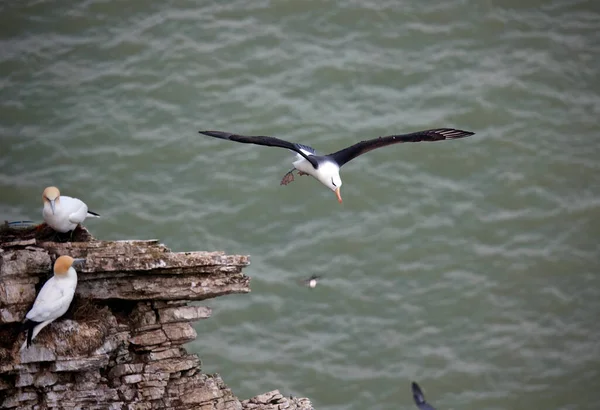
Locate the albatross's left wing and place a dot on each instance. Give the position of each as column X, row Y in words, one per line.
column 438, row 134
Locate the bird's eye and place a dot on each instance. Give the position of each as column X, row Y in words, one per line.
column 333, row 183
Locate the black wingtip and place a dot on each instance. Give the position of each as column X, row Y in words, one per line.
column 417, row 393
column 216, row 134
column 452, row 133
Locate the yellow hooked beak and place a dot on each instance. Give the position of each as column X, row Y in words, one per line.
column 339, row 197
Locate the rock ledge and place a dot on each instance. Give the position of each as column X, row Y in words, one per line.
column 120, row 344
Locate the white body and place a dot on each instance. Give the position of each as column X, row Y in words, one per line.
column 68, row 213
column 328, row 173
column 53, row 301
column 301, row 164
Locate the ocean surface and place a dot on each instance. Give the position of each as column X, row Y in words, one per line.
column 470, row 266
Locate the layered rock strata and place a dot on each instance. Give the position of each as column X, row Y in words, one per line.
column 120, row 345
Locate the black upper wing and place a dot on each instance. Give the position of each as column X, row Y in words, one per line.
column 347, row 154
column 420, row 398
column 263, row 140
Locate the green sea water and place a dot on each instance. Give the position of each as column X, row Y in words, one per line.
column 471, row 266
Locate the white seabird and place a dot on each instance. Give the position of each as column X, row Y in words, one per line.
column 54, row 298
column 63, row 213
column 312, row 281
column 326, row 168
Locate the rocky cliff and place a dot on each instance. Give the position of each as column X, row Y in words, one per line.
column 120, row 345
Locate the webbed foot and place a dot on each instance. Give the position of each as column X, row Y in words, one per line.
column 287, row 178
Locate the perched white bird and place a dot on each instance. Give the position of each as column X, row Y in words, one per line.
column 326, row 168
column 54, row 298
column 63, row 213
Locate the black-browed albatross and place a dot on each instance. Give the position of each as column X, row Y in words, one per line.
column 326, row 168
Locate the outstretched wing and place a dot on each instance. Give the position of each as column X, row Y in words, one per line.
column 347, row 154
column 266, row 141
column 420, row 398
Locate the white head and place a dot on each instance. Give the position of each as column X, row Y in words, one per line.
column 329, row 175
column 63, row 264
column 51, row 196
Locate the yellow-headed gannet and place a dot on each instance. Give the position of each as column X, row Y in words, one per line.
column 63, row 213
column 54, row 298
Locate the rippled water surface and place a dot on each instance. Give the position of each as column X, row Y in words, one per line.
column 471, row 266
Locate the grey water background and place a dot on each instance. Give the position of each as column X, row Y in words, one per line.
column 470, row 266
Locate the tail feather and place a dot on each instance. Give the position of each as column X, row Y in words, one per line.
column 93, row 214
column 28, row 326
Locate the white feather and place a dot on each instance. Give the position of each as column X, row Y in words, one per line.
column 53, row 301
column 68, row 213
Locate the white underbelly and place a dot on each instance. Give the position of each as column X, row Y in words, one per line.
column 303, row 165
column 58, row 221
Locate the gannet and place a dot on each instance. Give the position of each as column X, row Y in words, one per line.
column 63, row 213
column 54, row 298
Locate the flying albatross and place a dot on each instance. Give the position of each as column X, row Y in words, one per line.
column 326, row 168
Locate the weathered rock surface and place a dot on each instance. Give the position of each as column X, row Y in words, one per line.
column 120, row 344
column 274, row 400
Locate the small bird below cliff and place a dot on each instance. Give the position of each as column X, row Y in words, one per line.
column 311, row 282
column 54, row 298
column 420, row 398
column 326, row 168
column 63, row 213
